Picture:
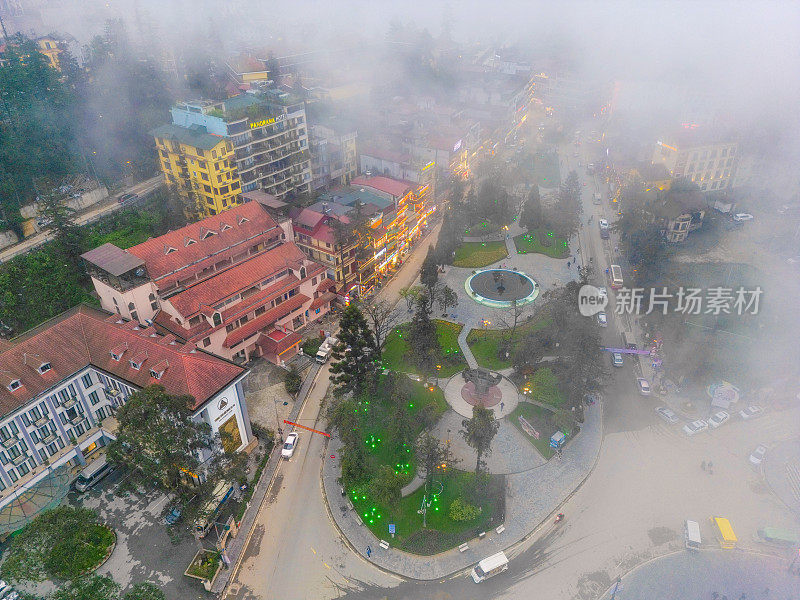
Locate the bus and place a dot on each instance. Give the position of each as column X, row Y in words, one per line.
column 489, row 567
column 725, row 534
column 208, row 514
column 616, row 277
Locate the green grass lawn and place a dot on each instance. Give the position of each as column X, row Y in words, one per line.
column 473, row 255
column 396, row 350
column 484, row 343
column 528, row 243
column 442, row 532
column 540, row 419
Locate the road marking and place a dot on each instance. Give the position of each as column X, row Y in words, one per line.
column 326, row 564
column 312, row 549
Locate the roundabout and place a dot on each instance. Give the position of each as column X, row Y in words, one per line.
column 501, row 288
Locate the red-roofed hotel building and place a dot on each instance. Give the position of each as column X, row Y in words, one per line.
column 63, row 382
column 234, row 284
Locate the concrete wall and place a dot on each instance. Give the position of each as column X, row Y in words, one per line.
column 87, row 199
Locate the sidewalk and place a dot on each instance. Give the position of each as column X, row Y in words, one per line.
column 237, row 544
column 531, row 497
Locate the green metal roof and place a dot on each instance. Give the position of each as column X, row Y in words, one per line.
column 195, row 136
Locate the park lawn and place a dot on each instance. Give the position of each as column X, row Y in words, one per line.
column 396, row 350
column 441, row 533
column 473, row 255
column 484, row 343
column 543, row 386
column 528, row 243
column 540, row 419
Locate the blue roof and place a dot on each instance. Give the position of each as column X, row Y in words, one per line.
column 349, row 195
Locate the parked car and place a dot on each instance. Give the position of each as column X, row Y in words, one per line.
column 644, row 386
column 602, row 319
column 603, row 292
column 616, row 359
column 757, row 455
column 740, row 217
column 695, row 427
column 666, row 414
column 289, row 445
column 125, row 198
column 751, row 412
column 718, row 418
column 173, row 516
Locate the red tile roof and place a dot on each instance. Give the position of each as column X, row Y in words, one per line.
column 277, row 342
column 86, row 336
column 390, row 186
column 322, row 300
column 228, row 228
column 268, row 318
column 240, row 276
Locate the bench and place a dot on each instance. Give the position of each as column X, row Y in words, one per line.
column 384, row 544
column 463, row 547
column 501, row 529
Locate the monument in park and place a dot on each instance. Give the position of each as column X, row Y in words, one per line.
column 481, row 387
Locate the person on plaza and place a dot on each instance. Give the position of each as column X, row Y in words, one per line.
column 369, row 551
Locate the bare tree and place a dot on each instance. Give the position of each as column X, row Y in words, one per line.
column 381, row 318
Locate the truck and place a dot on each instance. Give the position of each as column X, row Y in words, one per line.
column 597, row 199
column 325, row 350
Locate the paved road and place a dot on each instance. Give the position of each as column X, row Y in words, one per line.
column 647, row 481
column 295, row 550
column 88, row 216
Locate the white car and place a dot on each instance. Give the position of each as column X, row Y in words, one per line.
column 616, row 359
column 603, row 292
column 757, row 455
column 718, row 418
column 695, row 427
column 289, row 445
column 602, row 319
column 602, row 223
column 740, row 217
column 751, row 412
column 644, row 386
column 666, row 414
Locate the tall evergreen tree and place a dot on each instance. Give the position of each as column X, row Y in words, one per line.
column 532, row 216
column 356, row 357
column 422, row 336
column 479, row 431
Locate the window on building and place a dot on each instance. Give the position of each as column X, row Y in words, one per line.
column 94, row 398
column 86, row 380
column 217, row 319
column 134, row 316
column 206, row 342
column 14, row 385
column 45, row 367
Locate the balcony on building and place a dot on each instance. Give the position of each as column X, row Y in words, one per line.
column 70, row 402
column 115, row 267
column 9, row 442
column 41, row 420
column 50, row 437
column 18, row 460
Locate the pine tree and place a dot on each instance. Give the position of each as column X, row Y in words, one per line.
column 356, row 365
column 422, row 336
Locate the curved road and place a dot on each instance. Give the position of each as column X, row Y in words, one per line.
column 647, row 481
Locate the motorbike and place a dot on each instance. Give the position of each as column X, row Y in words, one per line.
column 559, row 517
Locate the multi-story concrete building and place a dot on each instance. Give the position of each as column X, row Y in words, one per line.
column 707, row 158
column 200, row 167
column 269, row 134
column 334, row 160
column 315, row 232
column 63, row 382
column 235, row 284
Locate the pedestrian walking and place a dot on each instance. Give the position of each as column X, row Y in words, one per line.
column 606, row 270
column 369, row 552
column 502, row 406
column 568, row 264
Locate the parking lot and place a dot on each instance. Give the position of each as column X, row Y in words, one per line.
column 144, row 551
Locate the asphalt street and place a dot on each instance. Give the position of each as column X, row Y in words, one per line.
column 646, row 483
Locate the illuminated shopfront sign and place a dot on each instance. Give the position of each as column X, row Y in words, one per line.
column 264, row 122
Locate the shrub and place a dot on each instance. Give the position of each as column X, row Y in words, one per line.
column 463, row 511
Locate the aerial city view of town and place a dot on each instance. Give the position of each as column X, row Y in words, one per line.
column 399, row 300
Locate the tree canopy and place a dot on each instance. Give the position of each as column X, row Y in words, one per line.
column 479, row 431
column 356, row 359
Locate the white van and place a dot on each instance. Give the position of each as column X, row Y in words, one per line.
column 489, row 567
column 691, row 535
column 598, row 199
column 92, row 474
